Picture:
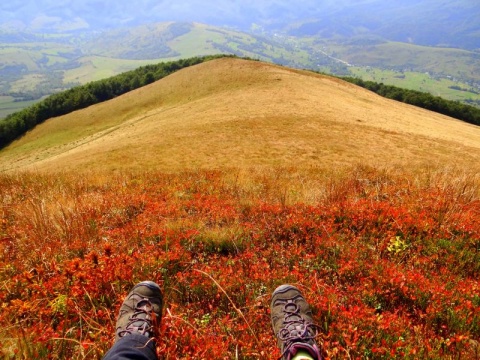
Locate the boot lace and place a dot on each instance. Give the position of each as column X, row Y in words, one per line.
column 141, row 320
column 295, row 327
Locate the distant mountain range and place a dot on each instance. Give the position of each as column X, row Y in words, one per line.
column 454, row 23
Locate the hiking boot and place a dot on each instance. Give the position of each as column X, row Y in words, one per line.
column 292, row 323
column 141, row 311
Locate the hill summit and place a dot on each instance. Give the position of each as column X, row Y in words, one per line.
column 241, row 113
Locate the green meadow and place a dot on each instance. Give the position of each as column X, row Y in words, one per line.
column 8, row 105
column 419, row 81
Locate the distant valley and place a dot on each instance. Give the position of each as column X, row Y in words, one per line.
column 33, row 66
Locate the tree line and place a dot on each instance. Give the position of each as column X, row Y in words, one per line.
column 455, row 109
column 80, row 97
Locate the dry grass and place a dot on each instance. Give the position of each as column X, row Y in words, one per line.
column 71, row 247
column 232, row 113
column 286, row 143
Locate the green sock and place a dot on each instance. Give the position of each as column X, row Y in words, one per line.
column 303, row 355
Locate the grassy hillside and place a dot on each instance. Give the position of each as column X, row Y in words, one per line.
column 221, row 182
column 429, row 23
column 172, row 41
column 446, row 72
column 8, row 105
column 232, row 112
column 437, row 86
column 457, row 63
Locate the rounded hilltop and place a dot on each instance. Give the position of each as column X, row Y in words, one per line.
column 239, row 113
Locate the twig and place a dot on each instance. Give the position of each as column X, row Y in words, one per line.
column 231, row 302
column 183, row 320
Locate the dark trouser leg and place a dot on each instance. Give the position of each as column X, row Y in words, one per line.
column 132, row 347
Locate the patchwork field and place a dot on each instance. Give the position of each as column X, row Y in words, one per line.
column 8, row 105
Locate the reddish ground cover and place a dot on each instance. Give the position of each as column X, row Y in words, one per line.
column 390, row 265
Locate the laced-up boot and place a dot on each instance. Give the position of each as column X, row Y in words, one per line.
column 293, row 324
column 141, row 311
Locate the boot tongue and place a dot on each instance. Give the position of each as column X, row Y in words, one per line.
column 144, row 305
column 141, row 319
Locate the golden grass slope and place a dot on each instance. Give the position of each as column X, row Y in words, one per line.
column 239, row 113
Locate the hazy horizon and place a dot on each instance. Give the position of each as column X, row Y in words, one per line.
column 452, row 23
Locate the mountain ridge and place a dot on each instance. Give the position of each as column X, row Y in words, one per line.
column 240, row 113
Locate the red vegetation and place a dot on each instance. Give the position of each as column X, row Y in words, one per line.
column 390, row 264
